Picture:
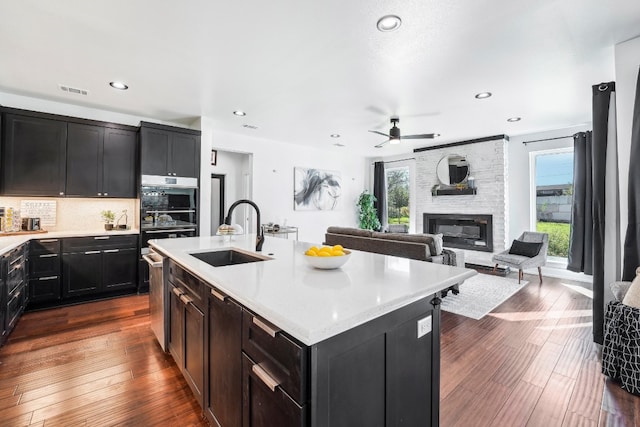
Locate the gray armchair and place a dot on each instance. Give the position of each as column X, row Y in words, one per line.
column 522, row 261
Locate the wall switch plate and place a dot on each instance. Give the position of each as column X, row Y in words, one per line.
column 424, row 326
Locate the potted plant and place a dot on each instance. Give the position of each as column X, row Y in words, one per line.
column 108, row 217
column 367, row 214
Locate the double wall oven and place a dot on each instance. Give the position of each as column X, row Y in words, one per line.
column 168, row 209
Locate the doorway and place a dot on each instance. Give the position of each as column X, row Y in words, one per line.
column 217, row 201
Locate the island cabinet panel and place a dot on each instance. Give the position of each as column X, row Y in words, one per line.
column 223, row 402
column 267, row 406
column 33, row 156
column 381, row 373
column 187, row 325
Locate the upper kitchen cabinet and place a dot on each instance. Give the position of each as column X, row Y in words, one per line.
column 49, row 155
column 169, row 151
column 101, row 161
column 33, row 155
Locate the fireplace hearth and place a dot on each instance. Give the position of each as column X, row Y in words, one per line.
column 464, row 231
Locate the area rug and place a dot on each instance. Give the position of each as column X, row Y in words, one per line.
column 480, row 294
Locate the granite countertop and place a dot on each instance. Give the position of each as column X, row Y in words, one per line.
column 10, row 242
column 310, row 304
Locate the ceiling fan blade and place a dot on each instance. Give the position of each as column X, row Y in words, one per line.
column 382, row 143
column 379, row 133
column 423, row 136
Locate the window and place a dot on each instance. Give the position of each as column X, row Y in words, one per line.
column 398, row 195
column 553, row 184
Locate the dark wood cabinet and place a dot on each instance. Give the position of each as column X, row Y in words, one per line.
column 98, row 265
column 49, row 155
column 101, row 161
column 264, row 406
column 119, row 163
column 13, row 283
column 44, row 270
column 223, row 401
column 33, row 156
column 187, row 323
column 169, row 151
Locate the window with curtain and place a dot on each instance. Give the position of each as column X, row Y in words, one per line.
column 398, row 195
column 553, row 194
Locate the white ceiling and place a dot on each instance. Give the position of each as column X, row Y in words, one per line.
column 304, row 69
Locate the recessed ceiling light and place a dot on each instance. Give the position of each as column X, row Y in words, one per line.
column 335, row 135
column 118, row 85
column 249, row 126
column 337, row 144
column 514, row 119
column 483, row 95
column 239, row 113
column 389, row 23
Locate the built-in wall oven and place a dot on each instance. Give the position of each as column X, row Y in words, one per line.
column 168, row 209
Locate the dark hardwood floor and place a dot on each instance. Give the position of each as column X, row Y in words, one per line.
column 530, row 362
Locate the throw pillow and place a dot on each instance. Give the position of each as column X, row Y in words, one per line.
column 528, row 249
column 632, row 298
column 437, row 240
column 619, row 289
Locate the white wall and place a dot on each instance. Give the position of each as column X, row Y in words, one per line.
column 272, row 165
column 627, row 59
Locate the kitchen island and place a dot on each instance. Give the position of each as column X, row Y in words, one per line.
column 277, row 342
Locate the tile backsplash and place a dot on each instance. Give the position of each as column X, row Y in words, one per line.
column 80, row 214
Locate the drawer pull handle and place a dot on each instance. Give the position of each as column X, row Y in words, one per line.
column 153, row 263
column 218, row 295
column 111, row 251
column 91, row 252
column 177, row 291
column 48, row 255
column 265, row 327
column 264, row 377
column 47, row 240
column 185, row 299
column 101, row 238
column 48, row 278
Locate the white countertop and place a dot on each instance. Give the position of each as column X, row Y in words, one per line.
column 310, row 304
column 10, row 242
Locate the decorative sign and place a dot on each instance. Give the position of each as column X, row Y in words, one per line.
column 43, row 209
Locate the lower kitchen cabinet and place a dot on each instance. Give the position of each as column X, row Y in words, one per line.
column 14, row 290
column 44, row 270
column 223, row 401
column 98, row 265
column 187, row 324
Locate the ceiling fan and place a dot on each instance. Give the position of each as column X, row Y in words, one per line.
column 394, row 134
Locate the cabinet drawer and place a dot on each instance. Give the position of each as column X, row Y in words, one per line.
column 44, row 264
column 45, row 246
column 44, row 289
column 15, row 276
column 282, row 358
column 188, row 284
column 264, row 405
column 82, row 244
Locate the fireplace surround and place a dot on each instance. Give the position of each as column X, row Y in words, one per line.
column 464, row 231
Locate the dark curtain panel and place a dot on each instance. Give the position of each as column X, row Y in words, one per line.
column 632, row 239
column 580, row 242
column 380, row 192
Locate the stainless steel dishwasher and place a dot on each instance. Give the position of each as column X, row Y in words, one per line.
column 158, row 299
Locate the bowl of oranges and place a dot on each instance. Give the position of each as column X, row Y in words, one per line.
column 327, row 257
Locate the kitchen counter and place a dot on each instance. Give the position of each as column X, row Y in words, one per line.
column 8, row 243
column 313, row 305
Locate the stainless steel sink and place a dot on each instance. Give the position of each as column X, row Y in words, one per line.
column 227, row 257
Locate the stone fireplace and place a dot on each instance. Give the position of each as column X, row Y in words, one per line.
column 464, row 231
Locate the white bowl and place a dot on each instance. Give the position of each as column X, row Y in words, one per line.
column 328, row 262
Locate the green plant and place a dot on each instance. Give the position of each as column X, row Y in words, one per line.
column 558, row 237
column 108, row 216
column 367, row 215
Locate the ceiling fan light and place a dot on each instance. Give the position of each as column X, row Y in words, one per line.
column 389, row 23
column 394, row 141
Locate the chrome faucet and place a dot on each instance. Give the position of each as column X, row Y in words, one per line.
column 260, row 237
